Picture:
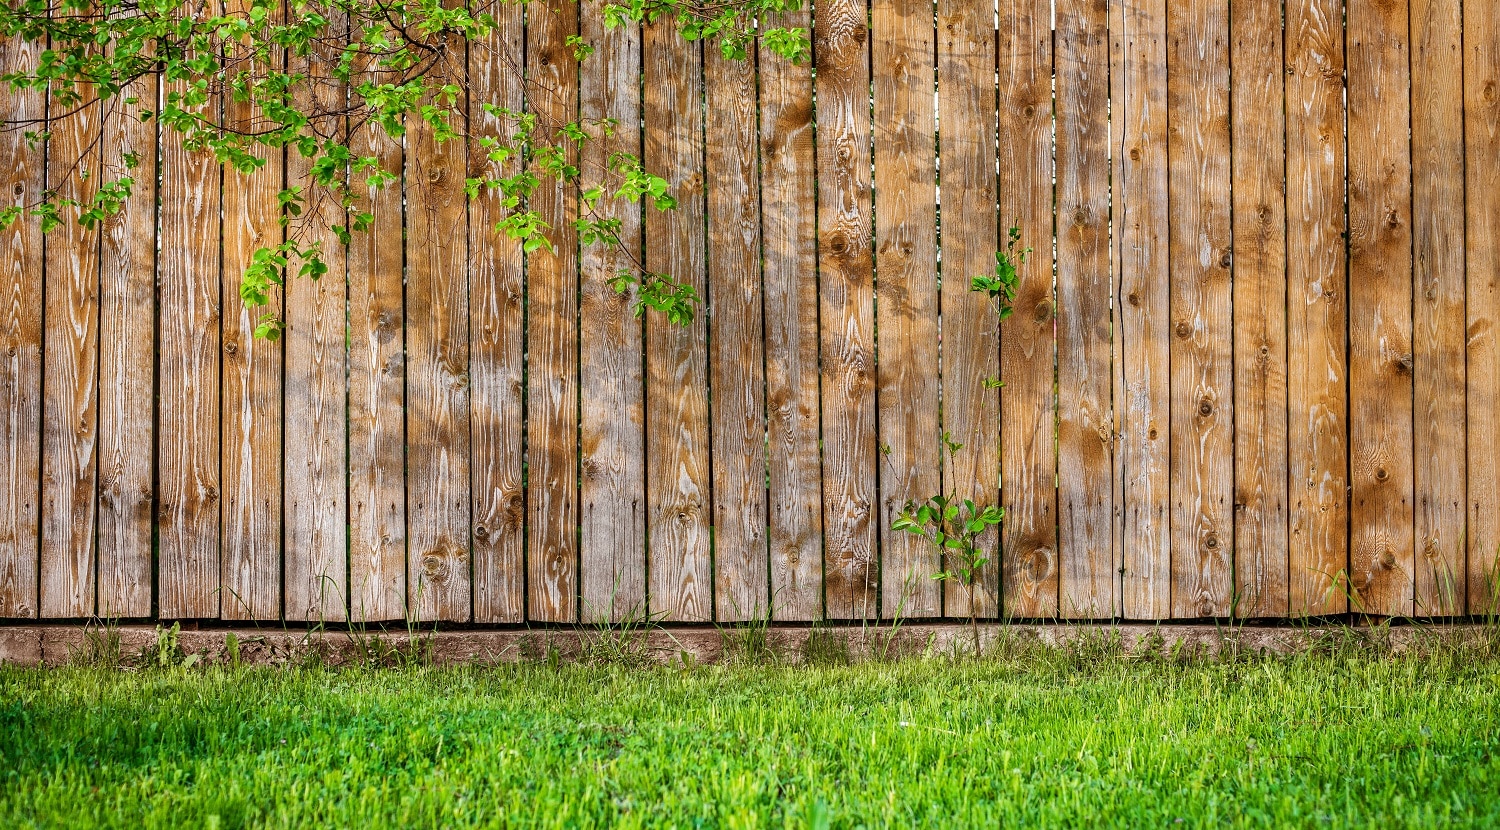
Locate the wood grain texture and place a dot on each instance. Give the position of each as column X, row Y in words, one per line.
column 678, row 494
column 1138, row 56
column 1260, row 278
column 846, row 293
column 1087, row 553
column 1481, row 64
column 437, row 378
column 1381, row 560
column 552, row 338
column 251, row 384
column 317, row 495
column 127, row 300
column 970, row 345
column 1317, row 323
column 1202, row 335
column 1438, row 438
column 21, row 183
column 70, row 396
column 188, row 345
column 497, row 337
column 791, row 321
column 737, row 349
column 904, row 48
column 613, row 495
column 1028, row 470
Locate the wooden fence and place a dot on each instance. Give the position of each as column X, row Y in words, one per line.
column 1253, row 370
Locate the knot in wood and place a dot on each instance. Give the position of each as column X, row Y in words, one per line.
column 481, row 532
column 1381, row 474
column 1151, row 433
column 1205, row 407
column 20, row 189
column 1226, row 260
column 1043, row 311
column 435, row 175
column 1183, row 329
column 1211, row 541
column 1387, row 559
column 230, row 347
column 1392, row 219
column 1133, row 298
column 1135, row 154
column 1081, row 217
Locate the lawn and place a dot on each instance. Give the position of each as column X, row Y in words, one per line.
column 1035, row 737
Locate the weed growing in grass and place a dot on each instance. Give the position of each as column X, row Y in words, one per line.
column 748, row 644
column 825, row 647
column 626, row 643
column 101, row 647
column 165, row 652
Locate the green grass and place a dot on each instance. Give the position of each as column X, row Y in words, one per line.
column 1353, row 737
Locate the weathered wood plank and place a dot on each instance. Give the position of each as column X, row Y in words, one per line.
column 188, row 382
column 904, row 47
column 552, row 337
column 970, row 344
column 1028, row 470
column 437, row 379
column 1317, row 370
column 1437, row 137
column 22, row 182
column 1481, row 64
column 70, row 397
column 1260, row 274
column 1087, row 554
column 1202, row 335
column 791, row 309
column 737, row 360
column 677, row 433
column 127, row 299
column 317, row 496
column 1138, row 59
column 497, row 284
column 846, row 292
column 1381, row 560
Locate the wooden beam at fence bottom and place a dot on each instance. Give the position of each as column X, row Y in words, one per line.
column 60, row 645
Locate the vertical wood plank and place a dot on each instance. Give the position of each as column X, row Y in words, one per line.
column 613, row 554
column 188, row 380
column 791, row 309
column 1087, row 554
column 1437, row 136
column 1202, row 337
column 904, row 45
column 1481, row 40
column 70, row 415
column 846, row 292
column 1260, row 278
column 1382, row 565
column 1138, row 34
column 127, row 297
column 497, row 280
column 677, row 433
column 251, row 385
column 970, row 345
column 1317, row 552
column 737, row 359
column 317, row 506
column 437, row 389
column 552, row 337
column 21, row 183
column 1028, row 469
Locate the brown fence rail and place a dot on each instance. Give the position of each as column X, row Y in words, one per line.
column 1254, row 368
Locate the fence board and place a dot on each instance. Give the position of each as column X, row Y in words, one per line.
column 22, row 181
column 1437, row 134
column 907, row 296
column 1481, row 65
column 1029, row 571
column 127, row 299
column 497, row 337
column 1202, row 405
column 679, row 501
column 1317, row 324
column 846, row 292
column 1260, row 278
column 791, row 320
column 1138, row 33
column 970, row 349
column 251, row 530
column 437, row 380
column 70, row 342
column 737, row 350
column 552, row 340
column 1087, row 555
column 1381, row 560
